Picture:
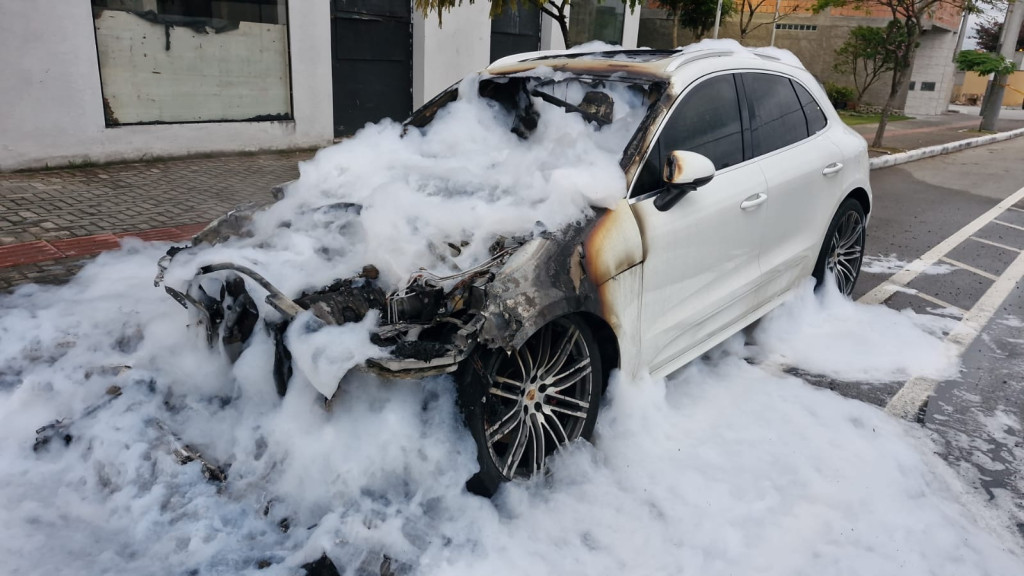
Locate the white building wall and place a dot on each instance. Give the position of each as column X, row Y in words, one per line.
column 443, row 54
column 932, row 63
column 53, row 103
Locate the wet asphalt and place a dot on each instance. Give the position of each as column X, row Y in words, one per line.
column 978, row 418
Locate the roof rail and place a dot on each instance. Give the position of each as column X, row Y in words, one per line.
column 687, row 57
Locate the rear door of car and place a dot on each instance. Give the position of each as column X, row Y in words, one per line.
column 800, row 165
column 701, row 256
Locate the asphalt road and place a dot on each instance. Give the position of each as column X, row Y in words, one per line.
column 922, row 209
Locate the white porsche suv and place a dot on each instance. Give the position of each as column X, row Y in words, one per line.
column 741, row 182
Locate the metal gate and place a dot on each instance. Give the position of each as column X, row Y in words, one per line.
column 515, row 30
column 371, row 42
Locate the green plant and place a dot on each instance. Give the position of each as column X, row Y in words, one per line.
column 839, row 95
column 984, row 63
column 867, row 54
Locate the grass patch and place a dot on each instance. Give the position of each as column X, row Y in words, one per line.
column 857, row 118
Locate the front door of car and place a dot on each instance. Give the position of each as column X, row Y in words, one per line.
column 800, row 164
column 701, row 256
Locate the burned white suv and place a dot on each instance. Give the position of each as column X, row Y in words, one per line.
column 628, row 210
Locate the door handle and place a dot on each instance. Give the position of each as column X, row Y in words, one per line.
column 753, row 201
column 832, row 168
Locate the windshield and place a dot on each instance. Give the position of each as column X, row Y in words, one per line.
column 613, row 107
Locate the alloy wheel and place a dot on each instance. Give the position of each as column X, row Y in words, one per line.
column 538, row 399
column 846, row 250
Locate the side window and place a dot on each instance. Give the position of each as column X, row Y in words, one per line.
column 706, row 121
column 776, row 116
column 812, row 111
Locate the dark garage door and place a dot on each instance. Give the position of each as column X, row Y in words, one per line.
column 515, row 30
column 372, row 56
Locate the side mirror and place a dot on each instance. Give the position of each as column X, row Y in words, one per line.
column 684, row 173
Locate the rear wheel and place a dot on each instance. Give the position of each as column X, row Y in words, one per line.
column 843, row 250
column 524, row 406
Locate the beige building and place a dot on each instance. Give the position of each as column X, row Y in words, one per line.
column 814, row 39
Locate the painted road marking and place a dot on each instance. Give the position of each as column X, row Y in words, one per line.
column 938, row 302
column 900, row 279
column 1017, row 209
column 996, row 244
column 1009, row 225
column 915, row 392
column 959, row 264
column 908, row 402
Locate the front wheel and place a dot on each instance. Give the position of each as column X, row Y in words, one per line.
column 524, row 406
column 843, row 250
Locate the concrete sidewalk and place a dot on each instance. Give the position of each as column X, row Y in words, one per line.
column 52, row 222
column 960, row 123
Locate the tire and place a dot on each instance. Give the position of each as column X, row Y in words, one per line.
column 842, row 251
column 552, row 384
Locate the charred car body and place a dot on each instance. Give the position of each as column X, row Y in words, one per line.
column 675, row 267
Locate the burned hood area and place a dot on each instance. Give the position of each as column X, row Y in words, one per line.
column 473, row 281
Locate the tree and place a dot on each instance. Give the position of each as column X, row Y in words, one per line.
column 750, row 7
column 910, row 14
column 984, row 63
column 867, row 54
column 557, row 10
column 987, row 34
column 697, row 16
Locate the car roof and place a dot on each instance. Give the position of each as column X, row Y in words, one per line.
column 641, row 63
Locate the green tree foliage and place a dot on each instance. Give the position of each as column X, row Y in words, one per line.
column 984, row 63
column 557, row 10
column 911, row 16
column 868, row 53
column 697, row 16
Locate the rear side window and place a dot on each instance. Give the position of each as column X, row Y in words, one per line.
column 812, row 111
column 776, row 116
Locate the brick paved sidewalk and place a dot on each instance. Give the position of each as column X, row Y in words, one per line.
column 50, row 221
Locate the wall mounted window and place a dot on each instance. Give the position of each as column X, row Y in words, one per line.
column 927, row 86
column 177, row 61
column 797, row 27
column 912, row 84
column 596, row 20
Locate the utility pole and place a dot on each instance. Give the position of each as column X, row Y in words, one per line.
column 718, row 17
column 1007, row 44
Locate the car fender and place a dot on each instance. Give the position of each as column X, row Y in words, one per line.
column 566, row 273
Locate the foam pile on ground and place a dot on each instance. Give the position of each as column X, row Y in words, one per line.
column 725, row 469
column 828, row 334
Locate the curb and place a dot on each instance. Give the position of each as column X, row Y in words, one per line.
column 939, row 149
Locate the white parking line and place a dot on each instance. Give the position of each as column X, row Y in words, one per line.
column 1017, row 209
column 977, row 271
column 996, row 244
column 940, row 303
column 1007, row 224
column 916, row 391
column 886, row 289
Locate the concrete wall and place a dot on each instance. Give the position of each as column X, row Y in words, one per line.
column 933, row 63
column 53, row 103
column 815, row 48
column 150, row 74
